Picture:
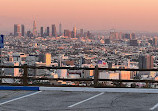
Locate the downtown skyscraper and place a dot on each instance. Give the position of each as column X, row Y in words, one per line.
column 60, row 29
column 17, row 30
column 54, row 34
column 81, row 33
column 41, row 32
column 47, row 31
column 67, row 33
column 74, row 32
column 22, row 30
column 34, row 29
column 155, row 41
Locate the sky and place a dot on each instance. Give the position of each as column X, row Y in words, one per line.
column 133, row 15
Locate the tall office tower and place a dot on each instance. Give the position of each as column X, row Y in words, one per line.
column 41, row 32
column 17, row 30
column 127, row 36
column 74, row 32
column 47, row 31
column 29, row 34
column 22, row 30
column 114, row 35
column 88, row 34
column 81, row 33
column 34, row 29
column 120, row 35
column 67, row 33
column 54, row 34
column 60, row 29
column 133, row 36
column 155, row 41
column 146, row 62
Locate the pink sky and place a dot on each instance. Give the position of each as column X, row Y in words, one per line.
column 138, row 15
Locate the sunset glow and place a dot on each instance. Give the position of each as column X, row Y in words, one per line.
column 138, row 15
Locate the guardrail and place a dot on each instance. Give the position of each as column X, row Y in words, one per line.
column 25, row 78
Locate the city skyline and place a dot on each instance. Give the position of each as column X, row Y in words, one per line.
column 68, row 54
column 90, row 14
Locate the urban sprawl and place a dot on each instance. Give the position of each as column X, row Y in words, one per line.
column 79, row 48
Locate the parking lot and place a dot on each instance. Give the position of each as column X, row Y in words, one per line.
column 76, row 101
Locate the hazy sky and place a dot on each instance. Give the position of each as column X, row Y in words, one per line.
column 139, row 15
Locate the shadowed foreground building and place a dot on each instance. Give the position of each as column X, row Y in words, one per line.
column 45, row 58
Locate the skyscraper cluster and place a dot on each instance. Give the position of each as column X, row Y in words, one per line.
column 48, row 32
column 119, row 35
column 19, row 30
column 75, row 34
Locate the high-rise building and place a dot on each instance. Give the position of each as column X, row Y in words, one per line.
column 74, row 32
column 17, row 30
column 47, row 31
column 146, row 62
column 114, row 35
column 155, row 41
column 120, row 35
column 85, row 34
column 41, row 32
column 54, row 34
column 22, row 30
column 81, row 33
column 67, row 33
column 127, row 36
column 34, row 29
column 142, row 62
column 29, row 34
column 88, row 34
column 133, row 36
column 60, row 29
